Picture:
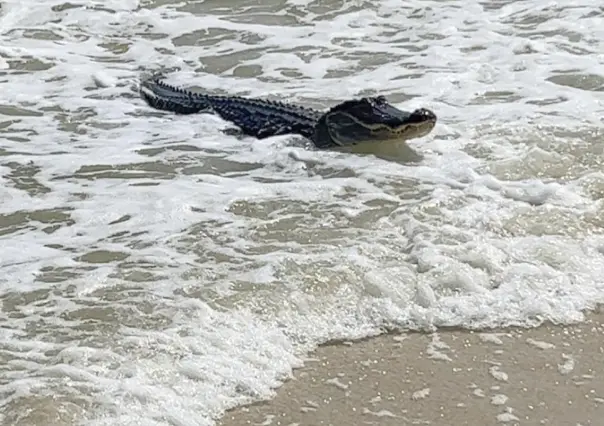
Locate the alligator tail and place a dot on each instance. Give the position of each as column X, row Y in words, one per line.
column 165, row 97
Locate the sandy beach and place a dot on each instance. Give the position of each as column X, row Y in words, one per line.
column 549, row 375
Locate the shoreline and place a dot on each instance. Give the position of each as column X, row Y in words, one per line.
column 549, row 375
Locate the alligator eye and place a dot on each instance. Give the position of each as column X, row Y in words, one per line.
column 381, row 99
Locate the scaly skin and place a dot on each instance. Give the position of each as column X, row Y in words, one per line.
column 349, row 123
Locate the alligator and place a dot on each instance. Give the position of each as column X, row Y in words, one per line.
column 352, row 122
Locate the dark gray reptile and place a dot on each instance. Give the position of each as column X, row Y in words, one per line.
column 369, row 119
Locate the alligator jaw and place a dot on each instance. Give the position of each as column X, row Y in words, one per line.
column 370, row 121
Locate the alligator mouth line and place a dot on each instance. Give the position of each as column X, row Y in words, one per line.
column 403, row 131
column 352, row 122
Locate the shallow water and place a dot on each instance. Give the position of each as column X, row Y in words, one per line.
column 156, row 271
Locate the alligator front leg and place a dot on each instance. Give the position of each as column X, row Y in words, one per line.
column 273, row 130
column 233, row 131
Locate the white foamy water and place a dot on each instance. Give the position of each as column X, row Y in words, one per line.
column 156, row 271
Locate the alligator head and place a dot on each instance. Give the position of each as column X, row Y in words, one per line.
column 371, row 120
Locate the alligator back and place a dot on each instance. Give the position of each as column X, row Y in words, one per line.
column 255, row 117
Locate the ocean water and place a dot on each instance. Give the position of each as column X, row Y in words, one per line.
column 157, row 271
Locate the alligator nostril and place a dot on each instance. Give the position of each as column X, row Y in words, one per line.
column 423, row 114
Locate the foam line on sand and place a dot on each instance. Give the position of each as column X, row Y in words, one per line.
column 550, row 375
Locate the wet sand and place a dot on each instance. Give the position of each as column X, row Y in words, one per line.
column 549, row 375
